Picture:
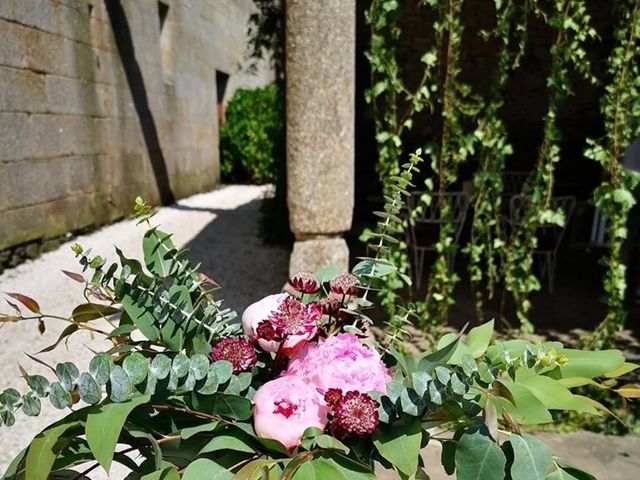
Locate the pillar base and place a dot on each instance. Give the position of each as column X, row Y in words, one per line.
column 312, row 255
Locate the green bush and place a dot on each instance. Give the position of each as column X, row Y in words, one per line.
column 252, row 138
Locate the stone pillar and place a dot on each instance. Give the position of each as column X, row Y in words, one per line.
column 320, row 46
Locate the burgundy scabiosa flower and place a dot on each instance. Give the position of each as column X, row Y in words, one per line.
column 266, row 331
column 305, row 282
column 356, row 413
column 345, row 284
column 295, row 318
column 239, row 352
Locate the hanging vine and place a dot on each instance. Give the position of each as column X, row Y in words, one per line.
column 487, row 238
column 457, row 142
column 571, row 21
column 620, row 107
column 395, row 105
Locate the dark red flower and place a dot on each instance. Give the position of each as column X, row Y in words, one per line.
column 238, row 351
column 356, row 413
column 345, row 284
column 331, row 306
column 266, row 331
column 332, row 396
column 305, row 282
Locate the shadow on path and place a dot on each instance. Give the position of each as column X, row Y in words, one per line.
column 126, row 50
column 231, row 253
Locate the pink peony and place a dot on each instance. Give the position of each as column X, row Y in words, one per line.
column 286, row 407
column 285, row 314
column 340, row 361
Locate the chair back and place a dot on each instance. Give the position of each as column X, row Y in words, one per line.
column 423, row 216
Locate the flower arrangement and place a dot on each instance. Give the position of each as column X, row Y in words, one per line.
column 297, row 390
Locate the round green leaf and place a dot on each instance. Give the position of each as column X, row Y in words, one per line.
column 39, row 384
column 120, row 385
column 211, row 384
column 68, row 374
column 9, row 398
column 136, row 366
column 7, row 418
column 60, row 398
column 223, row 370
column 100, row 368
column 400, row 445
column 161, row 366
column 31, row 405
column 90, row 391
column 180, row 365
column 205, row 468
column 199, row 366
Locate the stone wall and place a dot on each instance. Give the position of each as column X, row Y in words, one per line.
column 104, row 100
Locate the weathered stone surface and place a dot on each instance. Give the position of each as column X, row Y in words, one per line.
column 83, row 130
column 311, row 255
column 320, row 115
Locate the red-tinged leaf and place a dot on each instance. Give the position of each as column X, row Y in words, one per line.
column 101, row 296
column 23, row 372
column 90, row 311
column 28, row 302
column 74, row 276
column 41, row 327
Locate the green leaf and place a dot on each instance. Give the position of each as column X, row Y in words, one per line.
column 235, row 440
column 100, row 368
column 553, row 395
column 327, row 273
column 104, row 424
column 68, row 374
column 400, row 445
column 532, row 460
column 199, row 366
column 59, row 397
column 239, row 383
column 120, row 385
column 478, row 457
column 136, row 366
column 31, row 405
column 187, row 433
column 42, row 451
column 479, row 338
column 332, row 467
column 167, row 473
column 39, row 384
column 203, row 468
column 142, row 316
column 211, row 383
column 90, row 311
column 590, row 364
column 223, row 370
column 231, row 406
column 90, row 391
column 161, row 366
column 65, row 333
column 157, row 246
column 529, row 410
column 429, row 362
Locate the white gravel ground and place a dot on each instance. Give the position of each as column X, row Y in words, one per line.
column 219, row 228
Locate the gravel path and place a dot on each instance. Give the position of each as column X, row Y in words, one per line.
column 220, row 230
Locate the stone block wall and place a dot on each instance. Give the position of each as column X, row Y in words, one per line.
column 104, row 100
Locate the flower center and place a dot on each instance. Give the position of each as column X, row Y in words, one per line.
column 285, row 407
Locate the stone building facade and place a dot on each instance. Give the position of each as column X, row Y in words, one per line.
column 104, row 100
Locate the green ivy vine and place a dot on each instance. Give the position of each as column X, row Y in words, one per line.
column 568, row 52
column 620, row 107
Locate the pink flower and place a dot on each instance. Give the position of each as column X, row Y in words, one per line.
column 289, row 318
column 305, row 282
column 286, row 407
column 341, row 362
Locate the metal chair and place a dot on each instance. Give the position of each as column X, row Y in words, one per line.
column 512, row 183
column 549, row 235
column 425, row 222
